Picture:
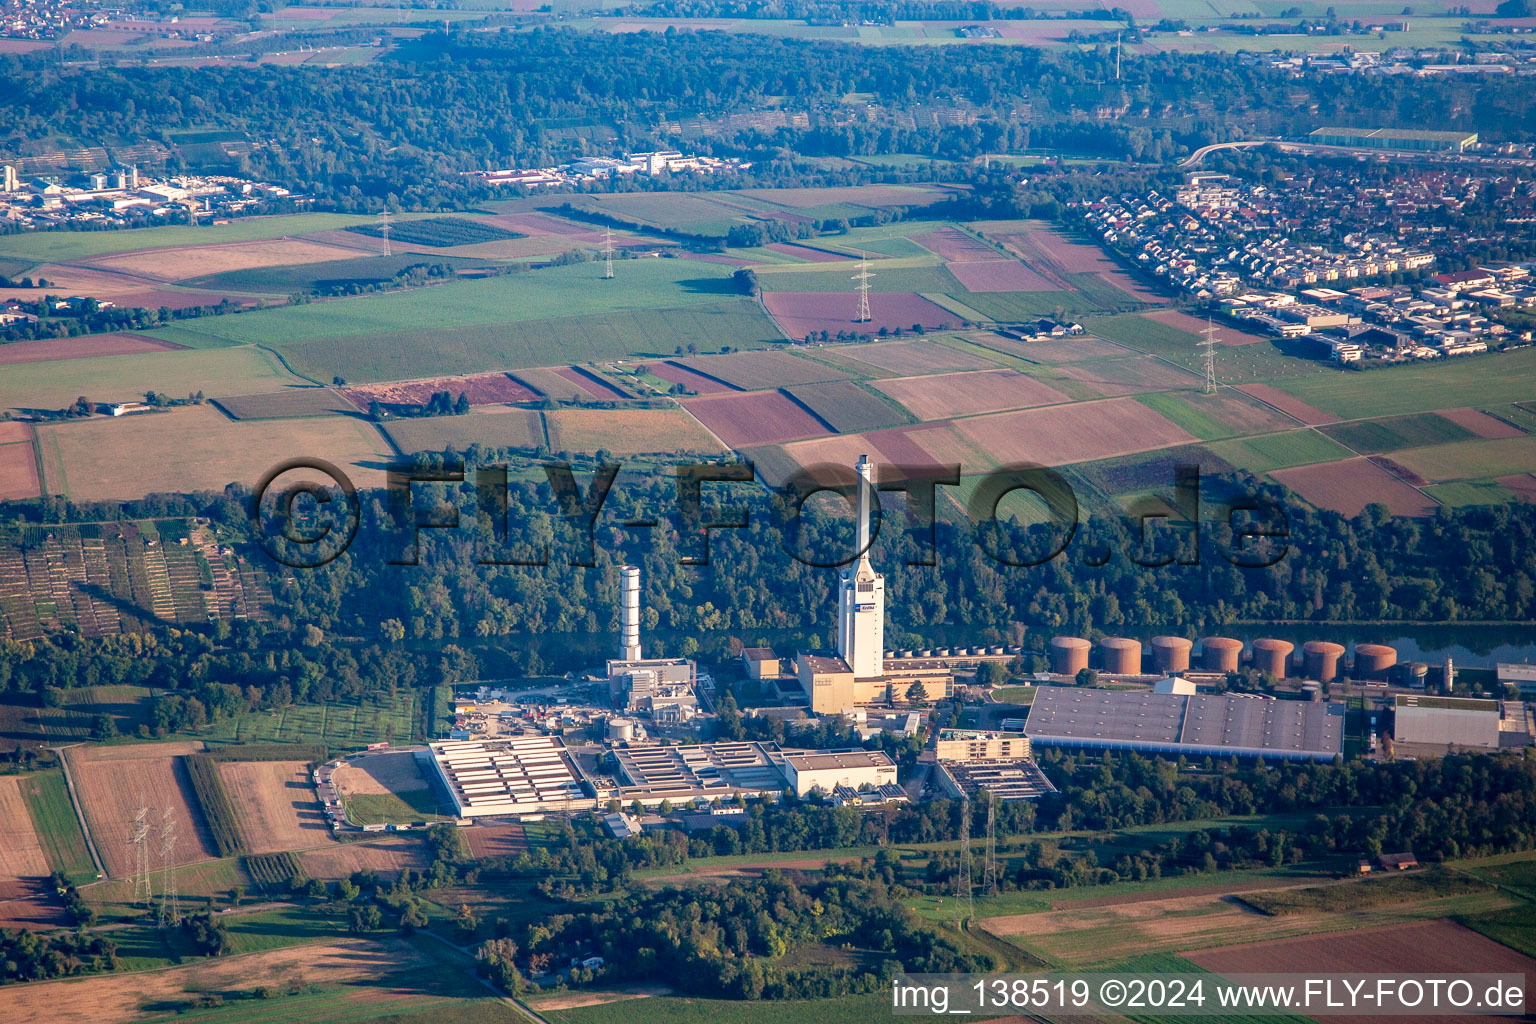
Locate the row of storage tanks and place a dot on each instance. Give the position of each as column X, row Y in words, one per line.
column 1321, row 659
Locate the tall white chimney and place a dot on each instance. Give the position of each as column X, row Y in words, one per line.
column 629, row 613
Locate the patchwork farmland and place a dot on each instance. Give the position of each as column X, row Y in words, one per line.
column 275, row 805
column 112, row 782
column 964, row 394
column 762, row 417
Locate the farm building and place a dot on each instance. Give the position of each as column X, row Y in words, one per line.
column 515, row 775
column 1446, row 721
column 1175, row 723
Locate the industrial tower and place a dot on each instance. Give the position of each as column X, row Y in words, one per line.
column 629, row 613
column 608, row 253
column 863, row 277
column 861, row 597
column 1208, row 346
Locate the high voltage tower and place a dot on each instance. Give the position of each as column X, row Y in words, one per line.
column 1208, row 346
column 989, row 871
column 863, row 277
column 965, row 902
column 138, row 838
column 608, row 253
column 384, row 230
column 170, row 904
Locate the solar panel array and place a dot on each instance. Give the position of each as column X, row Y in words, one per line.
column 1194, row 723
column 521, row 773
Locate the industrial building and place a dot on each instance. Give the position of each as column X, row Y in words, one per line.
column 665, row 689
column 1175, row 723
column 516, row 775
column 1395, row 138
column 978, row 745
column 824, row 771
column 708, row 770
column 1446, row 722
column 1013, row 779
column 860, row 672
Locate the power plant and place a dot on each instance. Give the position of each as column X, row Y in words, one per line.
column 629, row 613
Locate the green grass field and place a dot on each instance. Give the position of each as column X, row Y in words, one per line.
column 53, row 385
column 1472, row 460
column 1014, row 694
column 1477, row 381
column 1279, row 451
column 681, row 1010
column 339, row 726
column 546, row 317
column 396, row 808
column 1416, row 430
column 1235, row 364
column 57, row 827
column 1462, row 493
column 52, row 246
column 1173, row 405
column 835, row 278
column 309, row 276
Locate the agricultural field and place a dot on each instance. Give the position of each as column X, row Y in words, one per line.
column 1131, row 375
column 771, row 369
column 1470, row 460
column 492, row 428
column 85, row 346
column 479, row 389
column 53, row 246
column 197, row 448
column 104, row 578
column 846, row 407
column 1266, row 452
column 339, row 725
column 55, row 826
column 942, row 396
column 801, row 314
column 440, row 232
column 1288, row 404
column 627, row 432
column 903, row 358
column 1416, row 430
column 1227, row 413
column 55, row 384
column 290, row 403
column 179, row 263
column 1349, row 485
column 21, row 852
column 763, row 417
column 18, row 464
column 1444, row 384
column 113, row 781
column 675, row 373
column 1072, row 433
column 387, row 857
column 275, row 805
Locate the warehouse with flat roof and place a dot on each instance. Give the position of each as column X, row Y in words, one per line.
column 707, row 770
column 826, row 770
column 1177, row 723
column 515, row 775
column 1004, row 778
column 1410, row 139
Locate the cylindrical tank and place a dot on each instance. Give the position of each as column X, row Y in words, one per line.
column 926, row 652
column 1416, row 674
column 1273, row 656
column 1069, row 655
column 620, row 730
column 994, row 650
column 1171, row 653
column 1373, row 660
column 1312, row 690
column 1322, row 659
column 1219, row 653
column 1121, row 655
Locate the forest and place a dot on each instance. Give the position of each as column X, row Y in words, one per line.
column 401, row 130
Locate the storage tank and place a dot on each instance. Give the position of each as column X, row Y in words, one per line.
column 1416, row 674
column 620, row 730
column 1171, row 653
column 1322, row 659
column 1273, row 656
column 1311, row 690
column 1121, row 655
column 1069, row 655
column 1220, row 653
column 1372, row 661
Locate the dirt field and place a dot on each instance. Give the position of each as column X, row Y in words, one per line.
column 803, row 313
column 1480, row 423
column 1347, row 486
column 805, row 252
column 115, row 999
column 1193, row 325
column 981, row 268
column 495, row 840
column 1055, row 256
column 597, row 997
column 1070, row 433
column 480, row 389
column 963, row 394
column 764, row 417
column 672, row 373
column 1421, row 948
column 911, row 358
column 127, row 290
column 398, row 772
column 493, row 426
column 1290, row 406
column 340, row 861
column 626, row 431
column 195, row 448
column 188, row 261
column 763, row 369
column 46, row 349
column 589, row 382
column 21, row 856
column 18, row 471
column 111, row 787
column 1054, row 353
column 291, row 403
column 276, row 805
column 1523, row 484
column 30, row 903
column 1135, row 375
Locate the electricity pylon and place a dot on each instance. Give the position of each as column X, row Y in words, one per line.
column 138, row 838
column 863, row 277
column 170, row 904
column 608, row 253
column 1208, row 345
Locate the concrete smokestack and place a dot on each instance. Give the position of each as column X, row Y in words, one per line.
column 629, row 613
